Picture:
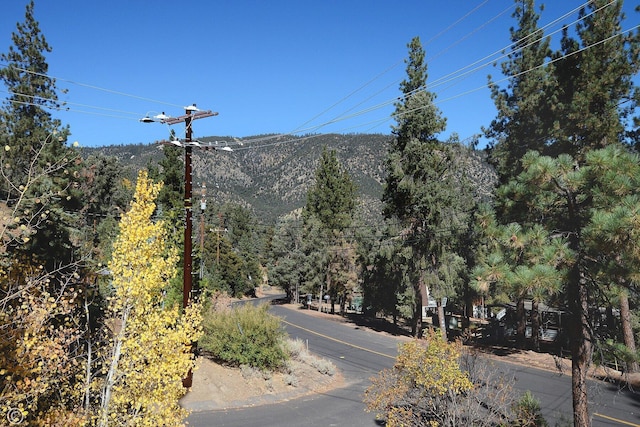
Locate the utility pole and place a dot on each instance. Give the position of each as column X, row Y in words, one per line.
column 203, row 206
column 191, row 113
column 188, row 232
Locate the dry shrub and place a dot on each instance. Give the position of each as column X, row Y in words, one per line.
column 436, row 383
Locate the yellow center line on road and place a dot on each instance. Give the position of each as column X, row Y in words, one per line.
column 338, row 341
column 626, row 423
column 606, row 417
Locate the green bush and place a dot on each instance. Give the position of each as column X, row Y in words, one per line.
column 528, row 412
column 245, row 335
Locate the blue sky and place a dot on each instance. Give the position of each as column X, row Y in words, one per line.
column 277, row 66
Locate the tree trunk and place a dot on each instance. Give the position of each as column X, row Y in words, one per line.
column 111, row 376
column 328, row 283
column 89, row 363
column 442, row 321
column 521, row 319
column 468, row 309
column 611, row 320
column 627, row 331
column 290, row 294
column 581, row 346
column 535, row 326
column 416, row 323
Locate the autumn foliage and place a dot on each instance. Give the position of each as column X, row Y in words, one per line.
column 436, row 383
column 149, row 352
column 40, row 350
column 417, row 390
column 64, row 364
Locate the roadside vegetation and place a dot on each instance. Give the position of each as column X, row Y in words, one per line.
column 438, row 383
column 245, row 335
column 248, row 337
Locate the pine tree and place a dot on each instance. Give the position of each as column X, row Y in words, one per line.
column 381, row 272
column 38, row 169
column 315, row 247
column 523, row 111
column 331, row 203
column 25, row 119
column 232, row 254
column 171, row 173
column 591, row 99
column 286, row 258
column 426, row 191
column 332, row 198
column 612, row 234
column 594, row 91
column 523, row 263
column 107, row 195
column 597, row 207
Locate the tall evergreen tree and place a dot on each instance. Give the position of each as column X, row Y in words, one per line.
column 38, row 168
column 26, row 121
column 315, row 247
column 425, row 191
column 591, row 98
column 286, row 258
column 594, row 86
column 593, row 75
column 596, row 206
column 171, row 171
column 523, row 109
column 381, row 272
column 331, row 203
column 332, row 198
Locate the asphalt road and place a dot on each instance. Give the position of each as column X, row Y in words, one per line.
column 360, row 354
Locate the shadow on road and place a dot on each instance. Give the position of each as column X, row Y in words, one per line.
column 359, row 320
column 377, row 324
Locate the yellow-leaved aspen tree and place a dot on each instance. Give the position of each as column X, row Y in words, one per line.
column 150, row 351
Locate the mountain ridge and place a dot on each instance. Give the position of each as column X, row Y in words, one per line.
column 271, row 179
column 271, row 174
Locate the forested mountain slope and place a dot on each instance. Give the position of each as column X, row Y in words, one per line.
column 271, row 174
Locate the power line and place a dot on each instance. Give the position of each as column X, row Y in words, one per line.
column 391, row 101
column 489, row 59
column 450, row 27
column 460, row 73
column 300, row 128
column 456, row 74
column 460, row 40
column 506, row 78
column 89, row 86
column 63, row 105
column 341, row 116
column 471, row 12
